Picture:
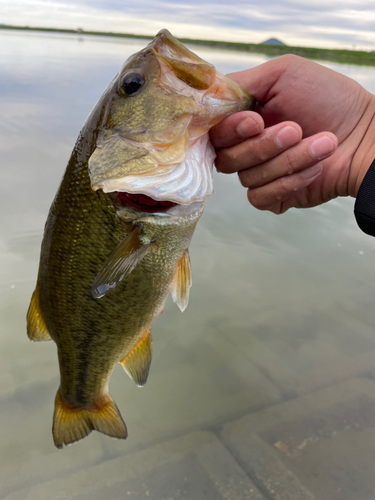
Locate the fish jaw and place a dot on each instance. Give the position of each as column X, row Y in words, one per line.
column 155, row 142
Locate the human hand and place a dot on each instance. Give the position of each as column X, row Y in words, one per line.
column 318, row 142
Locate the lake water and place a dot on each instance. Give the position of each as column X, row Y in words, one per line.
column 262, row 389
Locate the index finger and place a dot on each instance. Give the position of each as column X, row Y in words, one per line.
column 236, row 129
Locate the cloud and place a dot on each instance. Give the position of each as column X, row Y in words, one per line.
column 319, row 23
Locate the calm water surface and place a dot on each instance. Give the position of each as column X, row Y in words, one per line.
column 281, row 312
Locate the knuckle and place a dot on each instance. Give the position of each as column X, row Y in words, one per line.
column 283, row 187
column 290, row 58
column 260, row 155
column 291, row 162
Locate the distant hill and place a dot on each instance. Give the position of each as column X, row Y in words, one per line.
column 272, row 47
column 272, row 41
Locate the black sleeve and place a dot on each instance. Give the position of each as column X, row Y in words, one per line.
column 364, row 208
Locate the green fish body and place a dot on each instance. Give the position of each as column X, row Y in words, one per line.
column 117, row 236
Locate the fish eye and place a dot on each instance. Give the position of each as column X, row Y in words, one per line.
column 132, row 82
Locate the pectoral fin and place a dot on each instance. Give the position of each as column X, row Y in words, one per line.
column 137, row 362
column 182, row 282
column 36, row 327
column 120, row 264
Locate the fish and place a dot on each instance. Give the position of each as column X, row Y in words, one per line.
column 117, row 235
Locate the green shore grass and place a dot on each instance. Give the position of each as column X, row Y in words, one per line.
column 336, row 55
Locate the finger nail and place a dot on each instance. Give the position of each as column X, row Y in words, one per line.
column 247, row 128
column 287, row 136
column 311, row 172
column 322, row 147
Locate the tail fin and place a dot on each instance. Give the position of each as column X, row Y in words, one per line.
column 70, row 423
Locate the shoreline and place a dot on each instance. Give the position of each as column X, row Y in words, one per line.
column 334, row 55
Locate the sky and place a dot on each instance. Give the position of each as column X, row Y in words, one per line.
column 344, row 24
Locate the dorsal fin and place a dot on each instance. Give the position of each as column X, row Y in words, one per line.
column 137, row 362
column 182, row 282
column 120, row 264
column 36, row 327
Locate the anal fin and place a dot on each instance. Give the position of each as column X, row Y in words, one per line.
column 36, row 327
column 182, row 282
column 70, row 423
column 137, row 362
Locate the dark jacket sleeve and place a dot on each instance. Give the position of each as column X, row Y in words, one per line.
column 364, row 208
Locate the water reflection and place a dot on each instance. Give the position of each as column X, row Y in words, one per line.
column 281, row 310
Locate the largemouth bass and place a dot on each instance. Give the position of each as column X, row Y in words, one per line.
column 117, row 235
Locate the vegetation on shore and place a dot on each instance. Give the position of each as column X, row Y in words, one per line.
column 335, row 55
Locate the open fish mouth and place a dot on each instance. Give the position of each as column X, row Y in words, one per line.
column 143, row 203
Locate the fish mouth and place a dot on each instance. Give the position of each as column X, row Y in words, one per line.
column 143, row 203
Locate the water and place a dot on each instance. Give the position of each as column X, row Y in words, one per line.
column 281, row 317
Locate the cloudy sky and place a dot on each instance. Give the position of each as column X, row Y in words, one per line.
column 315, row 23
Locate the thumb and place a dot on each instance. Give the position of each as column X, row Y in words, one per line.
column 260, row 80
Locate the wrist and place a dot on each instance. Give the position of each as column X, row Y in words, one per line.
column 365, row 153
